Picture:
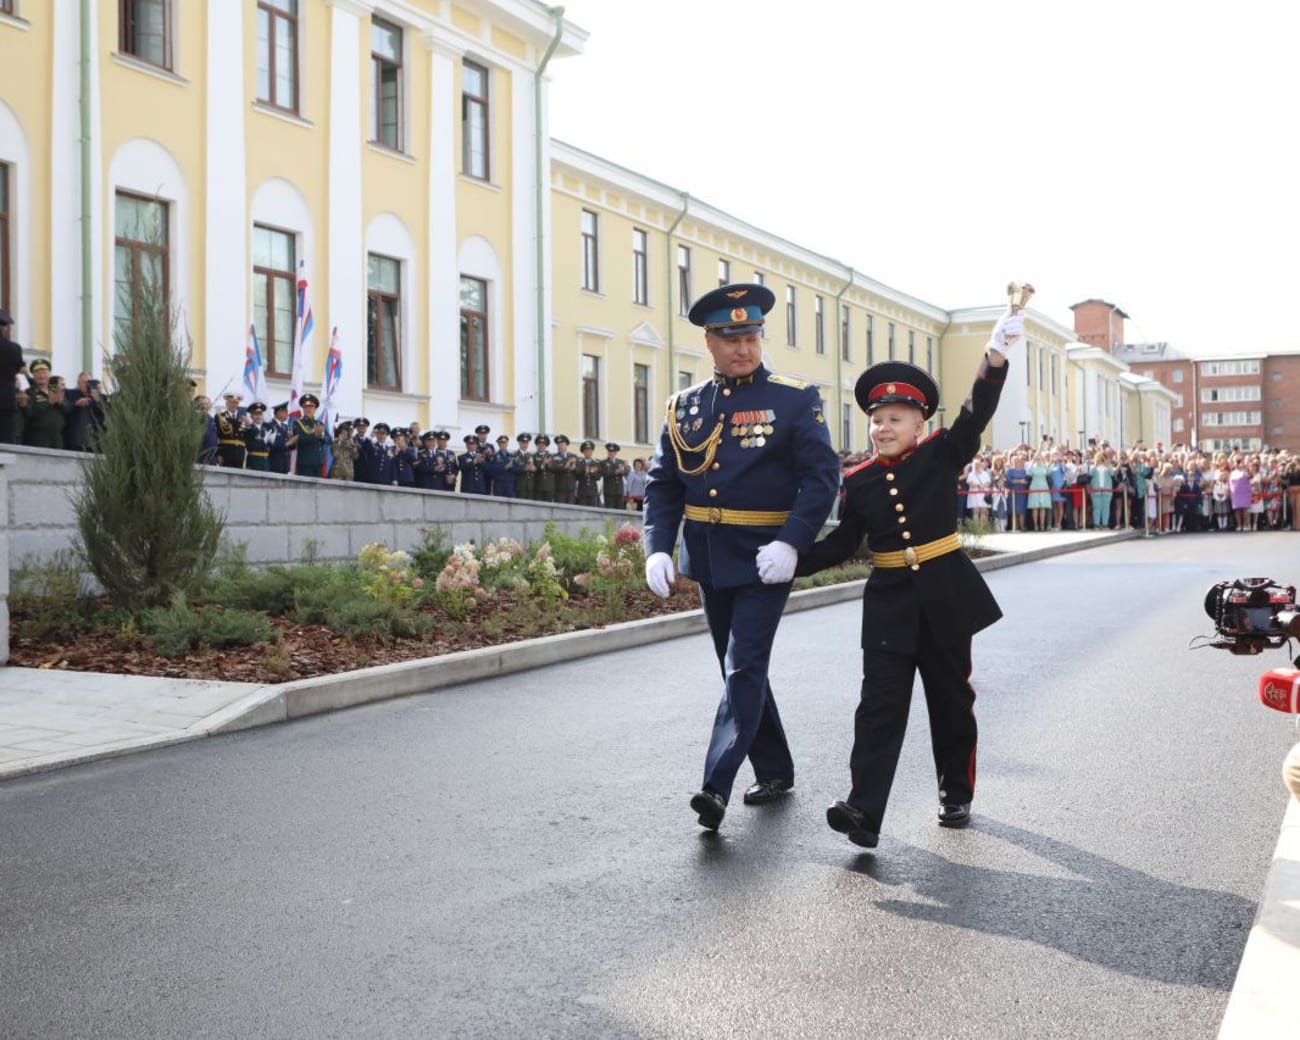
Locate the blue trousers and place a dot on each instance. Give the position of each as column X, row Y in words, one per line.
column 743, row 622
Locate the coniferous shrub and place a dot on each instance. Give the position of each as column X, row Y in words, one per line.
column 147, row 529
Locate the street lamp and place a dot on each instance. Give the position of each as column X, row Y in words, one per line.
column 1024, row 432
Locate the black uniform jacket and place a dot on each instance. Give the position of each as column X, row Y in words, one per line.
column 916, row 496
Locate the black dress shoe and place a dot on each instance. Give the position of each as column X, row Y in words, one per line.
column 844, row 818
column 767, row 791
column 710, row 807
column 953, row 815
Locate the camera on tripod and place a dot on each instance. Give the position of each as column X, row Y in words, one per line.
column 1252, row 615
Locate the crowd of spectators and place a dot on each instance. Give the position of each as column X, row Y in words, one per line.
column 1050, row 487
column 1157, row 490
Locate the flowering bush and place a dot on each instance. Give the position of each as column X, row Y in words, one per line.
column 388, row 575
column 542, row 579
column 461, row 571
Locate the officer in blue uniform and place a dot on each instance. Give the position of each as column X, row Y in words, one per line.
column 473, row 467
column 925, row 599
column 745, row 459
column 502, row 467
column 426, row 458
column 380, row 457
column 445, row 465
column 276, row 435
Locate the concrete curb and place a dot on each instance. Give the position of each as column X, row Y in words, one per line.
column 1262, row 1005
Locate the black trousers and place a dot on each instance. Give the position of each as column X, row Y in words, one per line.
column 8, row 426
column 881, row 721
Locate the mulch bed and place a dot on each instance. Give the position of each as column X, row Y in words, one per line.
column 309, row 650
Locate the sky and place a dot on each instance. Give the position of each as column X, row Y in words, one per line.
column 1144, row 153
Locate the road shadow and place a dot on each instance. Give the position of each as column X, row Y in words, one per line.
column 1110, row 915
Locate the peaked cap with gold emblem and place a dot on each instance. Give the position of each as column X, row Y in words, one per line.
column 733, row 310
column 896, row 382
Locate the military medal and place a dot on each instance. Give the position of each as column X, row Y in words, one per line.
column 697, row 423
column 760, row 441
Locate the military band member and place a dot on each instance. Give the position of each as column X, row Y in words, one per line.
column 446, row 466
column 746, row 460
column 564, row 464
column 232, row 426
column 614, row 473
column 472, row 464
column 527, row 467
column 543, row 476
column 276, row 434
column 924, row 599
column 259, row 453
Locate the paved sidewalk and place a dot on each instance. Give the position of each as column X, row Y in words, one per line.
column 50, row 719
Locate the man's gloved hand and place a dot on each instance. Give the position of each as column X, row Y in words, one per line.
column 659, row 574
column 776, row 563
column 1008, row 332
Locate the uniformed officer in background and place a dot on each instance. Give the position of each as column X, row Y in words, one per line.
column 276, row 434
column 259, row 453
column 614, row 474
column 473, row 467
column 527, row 467
column 543, row 476
column 588, row 474
column 307, row 437
column 564, row 464
column 925, row 599
column 503, row 467
column 232, row 428
column 44, row 412
column 426, row 458
column 445, row 467
column 746, row 459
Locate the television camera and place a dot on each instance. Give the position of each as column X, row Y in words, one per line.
column 1252, row 615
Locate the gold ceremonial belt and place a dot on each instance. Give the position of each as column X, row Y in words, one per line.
column 747, row 517
column 915, row 555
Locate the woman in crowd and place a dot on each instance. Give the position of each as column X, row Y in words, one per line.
column 1255, row 511
column 636, row 486
column 1056, row 479
column 1040, row 501
column 1017, row 481
column 1239, row 492
column 978, row 483
column 1102, row 484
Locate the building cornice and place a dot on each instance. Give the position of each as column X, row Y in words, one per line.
column 360, row 8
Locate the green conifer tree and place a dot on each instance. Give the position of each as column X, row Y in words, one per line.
column 147, row 529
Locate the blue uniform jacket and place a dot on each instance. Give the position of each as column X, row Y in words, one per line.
column 774, row 454
column 404, row 467
column 501, row 468
column 473, row 476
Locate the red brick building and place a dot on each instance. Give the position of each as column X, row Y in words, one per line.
column 1221, row 402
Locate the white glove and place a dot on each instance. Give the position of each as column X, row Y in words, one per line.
column 659, row 574
column 1008, row 332
column 776, row 563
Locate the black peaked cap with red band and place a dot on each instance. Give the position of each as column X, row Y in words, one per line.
column 896, row 382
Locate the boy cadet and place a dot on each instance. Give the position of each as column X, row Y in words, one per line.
column 746, row 459
column 925, row 599
column 614, row 473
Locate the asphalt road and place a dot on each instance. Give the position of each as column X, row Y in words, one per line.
column 516, row 858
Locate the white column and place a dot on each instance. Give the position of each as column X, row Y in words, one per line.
column 226, row 268
column 442, row 240
column 523, row 276
column 344, row 233
column 66, row 289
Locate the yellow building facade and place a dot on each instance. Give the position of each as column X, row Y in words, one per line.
column 383, row 151
column 394, row 155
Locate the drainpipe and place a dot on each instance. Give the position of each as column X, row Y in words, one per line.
column 558, row 14
column 839, row 355
column 87, row 243
column 668, row 293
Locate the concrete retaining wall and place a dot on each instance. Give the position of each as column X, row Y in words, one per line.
column 278, row 516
